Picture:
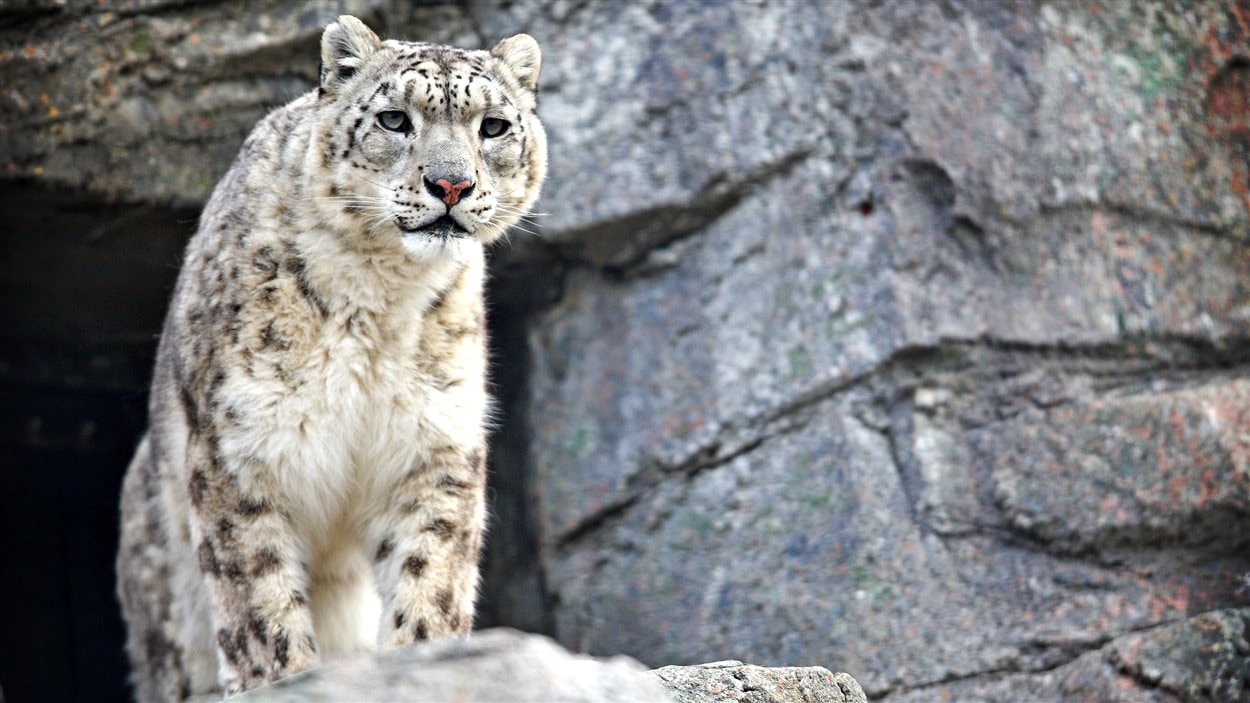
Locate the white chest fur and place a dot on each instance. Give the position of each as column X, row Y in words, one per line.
column 352, row 402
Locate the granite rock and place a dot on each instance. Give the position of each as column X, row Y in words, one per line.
column 733, row 681
column 952, row 392
column 1204, row 658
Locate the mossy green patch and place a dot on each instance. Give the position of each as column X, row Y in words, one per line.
column 579, row 443
column 864, row 581
column 141, row 41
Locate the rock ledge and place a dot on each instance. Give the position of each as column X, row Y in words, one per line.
column 502, row 664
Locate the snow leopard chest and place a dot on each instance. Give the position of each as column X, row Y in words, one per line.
column 338, row 415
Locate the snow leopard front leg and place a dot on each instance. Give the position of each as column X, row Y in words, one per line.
column 426, row 559
column 254, row 565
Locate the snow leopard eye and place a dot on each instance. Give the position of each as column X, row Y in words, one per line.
column 395, row 121
column 494, row 127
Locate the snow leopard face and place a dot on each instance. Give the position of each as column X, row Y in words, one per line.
column 428, row 144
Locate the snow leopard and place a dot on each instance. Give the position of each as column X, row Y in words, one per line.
column 312, row 479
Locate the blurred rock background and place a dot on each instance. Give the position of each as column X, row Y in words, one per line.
column 909, row 339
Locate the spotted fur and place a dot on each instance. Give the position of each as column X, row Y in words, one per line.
column 313, row 477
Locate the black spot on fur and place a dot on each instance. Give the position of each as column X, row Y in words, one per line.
column 421, row 631
column 251, row 507
column 445, row 599
column 298, row 598
column 271, row 338
column 219, row 379
column 266, row 262
column 265, row 561
column 194, row 421
column 440, row 298
column 414, row 565
column 257, row 625
column 154, row 645
column 384, row 549
column 351, row 134
column 268, row 294
column 453, row 484
column 214, row 452
column 444, row 528
column 464, row 542
column 208, row 559
column 233, row 571
column 198, row 486
column 225, row 529
column 399, row 620
column 228, row 648
column 282, row 649
column 296, row 266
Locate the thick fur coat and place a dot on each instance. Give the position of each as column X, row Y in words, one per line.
column 313, row 476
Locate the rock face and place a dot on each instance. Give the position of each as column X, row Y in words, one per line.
column 496, row 665
column 906, row 336
column 1205, row 658
column 911, row 338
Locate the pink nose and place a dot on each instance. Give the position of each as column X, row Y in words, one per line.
column 449, row 192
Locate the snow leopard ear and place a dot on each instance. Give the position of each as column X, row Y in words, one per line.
column 345, row 45
column 521, row 54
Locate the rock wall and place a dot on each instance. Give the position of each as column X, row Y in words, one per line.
column 909, row 339
column 906, row 336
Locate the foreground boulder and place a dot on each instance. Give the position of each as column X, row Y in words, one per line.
column 499, row 665
column 495, row 665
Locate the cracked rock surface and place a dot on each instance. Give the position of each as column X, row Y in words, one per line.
column 950, row 391
column 910, row 339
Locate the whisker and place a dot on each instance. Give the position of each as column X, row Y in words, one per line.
column 527, row 220
column 380, row 185
column 519, row 215
column 353, row 198
column 526, row 230
column 514, row 209
column 377, row 224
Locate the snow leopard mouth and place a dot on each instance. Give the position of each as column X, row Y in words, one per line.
column 444, row 227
